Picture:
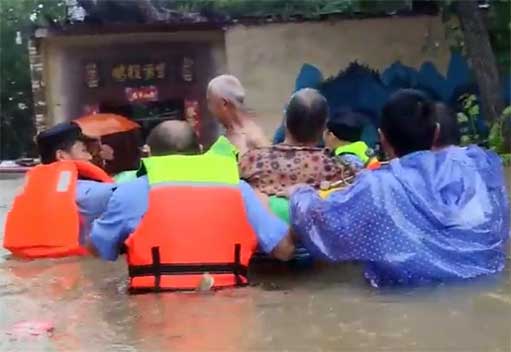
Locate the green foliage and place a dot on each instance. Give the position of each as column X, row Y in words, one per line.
column 467, row 118
column 16, row 107
column 469, row 135
column 498, row 19
column 309, row 9
column 496, row 140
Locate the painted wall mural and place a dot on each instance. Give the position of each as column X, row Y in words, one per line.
column 361, row 88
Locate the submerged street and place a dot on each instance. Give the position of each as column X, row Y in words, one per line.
column 320, row 309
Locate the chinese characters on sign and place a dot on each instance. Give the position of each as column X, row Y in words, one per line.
column 149, row 72
column 139, row 72
column 133, row 72
column 119, row 73
column 141, row 94
column 91, row 75
column 187, row 69
column 160, row 70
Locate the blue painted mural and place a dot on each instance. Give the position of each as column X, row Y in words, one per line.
column 360, row 88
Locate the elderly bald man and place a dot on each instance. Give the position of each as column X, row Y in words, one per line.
column 226, row 101
column 138, row 206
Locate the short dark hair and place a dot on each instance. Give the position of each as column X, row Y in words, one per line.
column 408, row 121
column 306, row 115
column 449, row 127
column 347, row 125
column 59, row 137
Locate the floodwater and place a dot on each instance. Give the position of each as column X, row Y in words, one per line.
column 319, row 309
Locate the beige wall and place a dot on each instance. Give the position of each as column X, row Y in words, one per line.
column 267, row 58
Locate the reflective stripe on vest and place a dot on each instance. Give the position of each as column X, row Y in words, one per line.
column 195, row 223
column 157, row 270
column 206, row 168
column 44, row 219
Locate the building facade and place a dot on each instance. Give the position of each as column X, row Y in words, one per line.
column 151, row 72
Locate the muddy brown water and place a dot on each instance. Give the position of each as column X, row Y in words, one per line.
column 319, row 309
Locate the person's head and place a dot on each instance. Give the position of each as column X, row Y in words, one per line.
column 306, row 115
column 226, row 98
column 408, row 123
column 449, row 129
column 173, row 137
column 346, row 127
column 64, row 141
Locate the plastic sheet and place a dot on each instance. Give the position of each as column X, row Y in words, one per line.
column 429, row 216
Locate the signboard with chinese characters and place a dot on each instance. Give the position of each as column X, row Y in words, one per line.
column 187, row 69
column 91, row 75
column 141, row 94
column 139, row 72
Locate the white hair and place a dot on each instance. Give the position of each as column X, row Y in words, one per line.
column 229, row 88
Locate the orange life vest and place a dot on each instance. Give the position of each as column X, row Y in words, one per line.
column 195, row 224
column 44, row 220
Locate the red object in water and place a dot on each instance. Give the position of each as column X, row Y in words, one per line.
column 98, row 125
column 31, row 328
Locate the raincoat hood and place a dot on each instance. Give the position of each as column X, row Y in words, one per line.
column 452, row 186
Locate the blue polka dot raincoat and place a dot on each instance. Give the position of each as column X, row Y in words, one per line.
column 428, row 216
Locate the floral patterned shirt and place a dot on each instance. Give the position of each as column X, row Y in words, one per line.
column 272, row 170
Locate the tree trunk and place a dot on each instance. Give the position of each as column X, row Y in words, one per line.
column 477, row 42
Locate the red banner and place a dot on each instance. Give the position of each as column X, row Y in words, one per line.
column 142, row 94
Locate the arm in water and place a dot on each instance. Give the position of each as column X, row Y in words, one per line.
column 129, row 203
column 272, row 233
column 92, row 199
column 336, row 228
column 123, row 214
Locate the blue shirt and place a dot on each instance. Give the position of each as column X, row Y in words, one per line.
column 130, row 201
column 92, row 198
column 428, row 216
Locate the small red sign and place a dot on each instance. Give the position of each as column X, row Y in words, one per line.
column 142, row 94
